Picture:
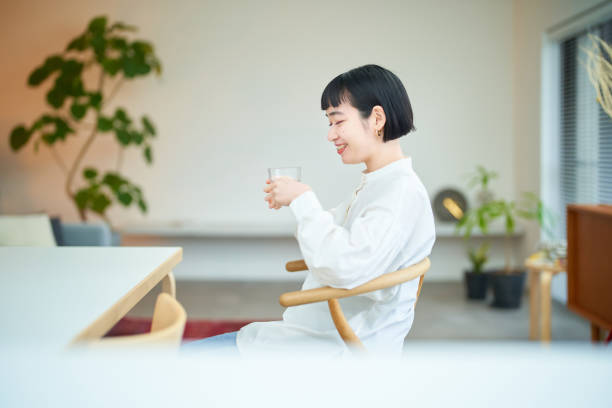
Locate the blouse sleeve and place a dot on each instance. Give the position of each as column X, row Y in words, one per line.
column 332, row 211
column 343, row 258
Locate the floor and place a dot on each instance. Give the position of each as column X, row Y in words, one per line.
column 443, row 312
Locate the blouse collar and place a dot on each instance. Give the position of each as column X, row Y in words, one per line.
column 405, row 162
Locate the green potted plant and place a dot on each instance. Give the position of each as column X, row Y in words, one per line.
column 475, row 279
column 85, row 77
column 507, row 282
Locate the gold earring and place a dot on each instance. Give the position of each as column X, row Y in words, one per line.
column 380, row 133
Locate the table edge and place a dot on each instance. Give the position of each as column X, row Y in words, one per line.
column 112, row 315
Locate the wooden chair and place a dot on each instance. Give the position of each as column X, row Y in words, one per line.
column 331, row 295
column 167, row 328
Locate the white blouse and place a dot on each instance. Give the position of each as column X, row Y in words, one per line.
column 386, row 225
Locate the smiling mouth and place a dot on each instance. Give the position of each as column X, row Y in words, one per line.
column 341, row 148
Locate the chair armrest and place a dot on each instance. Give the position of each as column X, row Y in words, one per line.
column 302, row 297
column 295, row 266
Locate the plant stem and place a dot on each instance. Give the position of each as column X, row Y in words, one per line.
column 105, row 218
column 58, row 159
column 82, row 152
column 507, row 253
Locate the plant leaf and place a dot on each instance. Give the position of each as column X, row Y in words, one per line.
column 148, row 154
column 157, row 66
column 98, row 42
column 142, row 47
column 97, row 25
column 78, row 111
column 56, row 97
column 122, row 116
column 61, row 128
column 19, row 137
column 100, row 203
column 114, row 181
column 71, row 68
column 95, row 100
column 49, row 138
column 125, row 198
column 130, row 67
column 38, row 76
column 104, row 124
column 90, row 173
column 80, row 43
column 122, row 27
column 137, row 137
column 148, row 125
column 509, row 224
column 142, row 205
column 81, row 198
column 112, row 65
column 52, row 64
column 123, row 137
column 118, row 43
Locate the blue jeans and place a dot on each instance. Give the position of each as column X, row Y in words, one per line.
column 223, row 343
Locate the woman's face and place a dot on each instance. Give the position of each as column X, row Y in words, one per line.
column 353, row 137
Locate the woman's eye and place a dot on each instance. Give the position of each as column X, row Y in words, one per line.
column 337, row 123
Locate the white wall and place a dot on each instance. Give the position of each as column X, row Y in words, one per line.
column 240, row 92
column 241, row 88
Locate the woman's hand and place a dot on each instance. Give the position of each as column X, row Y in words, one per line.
column 283, row 190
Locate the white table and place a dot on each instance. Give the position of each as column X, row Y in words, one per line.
column 431, row 374
column 55, row 297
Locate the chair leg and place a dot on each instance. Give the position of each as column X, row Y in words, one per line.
column 169, row 285
column 534, row 305
column 343, row 327
column 545, row 330
column 419, row 291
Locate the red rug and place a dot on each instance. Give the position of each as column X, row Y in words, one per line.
column 194, row 329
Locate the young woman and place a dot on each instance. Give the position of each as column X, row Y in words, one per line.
column 385, row 225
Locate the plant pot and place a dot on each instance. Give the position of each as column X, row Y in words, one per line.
column 476, row 284
column 507, row 289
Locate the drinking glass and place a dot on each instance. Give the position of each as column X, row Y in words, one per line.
column 293, row 172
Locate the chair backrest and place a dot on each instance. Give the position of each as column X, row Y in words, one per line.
column 26, row 230
column 81, row 234
column 331, row 295
column 386, row 280
column 167, row 328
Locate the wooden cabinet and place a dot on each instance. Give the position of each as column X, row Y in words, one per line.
column 589, row 264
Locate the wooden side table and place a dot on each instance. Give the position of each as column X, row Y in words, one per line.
column 541, row 273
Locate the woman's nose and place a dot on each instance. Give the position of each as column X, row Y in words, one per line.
column 331, row 135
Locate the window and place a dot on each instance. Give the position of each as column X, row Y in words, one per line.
column 585, row 129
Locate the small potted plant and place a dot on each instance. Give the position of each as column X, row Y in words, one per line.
column 507, row 282
column 476, row 280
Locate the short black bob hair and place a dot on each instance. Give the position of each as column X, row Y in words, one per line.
column 370, row 85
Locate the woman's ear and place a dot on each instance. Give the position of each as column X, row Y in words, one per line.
column 379, row 118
